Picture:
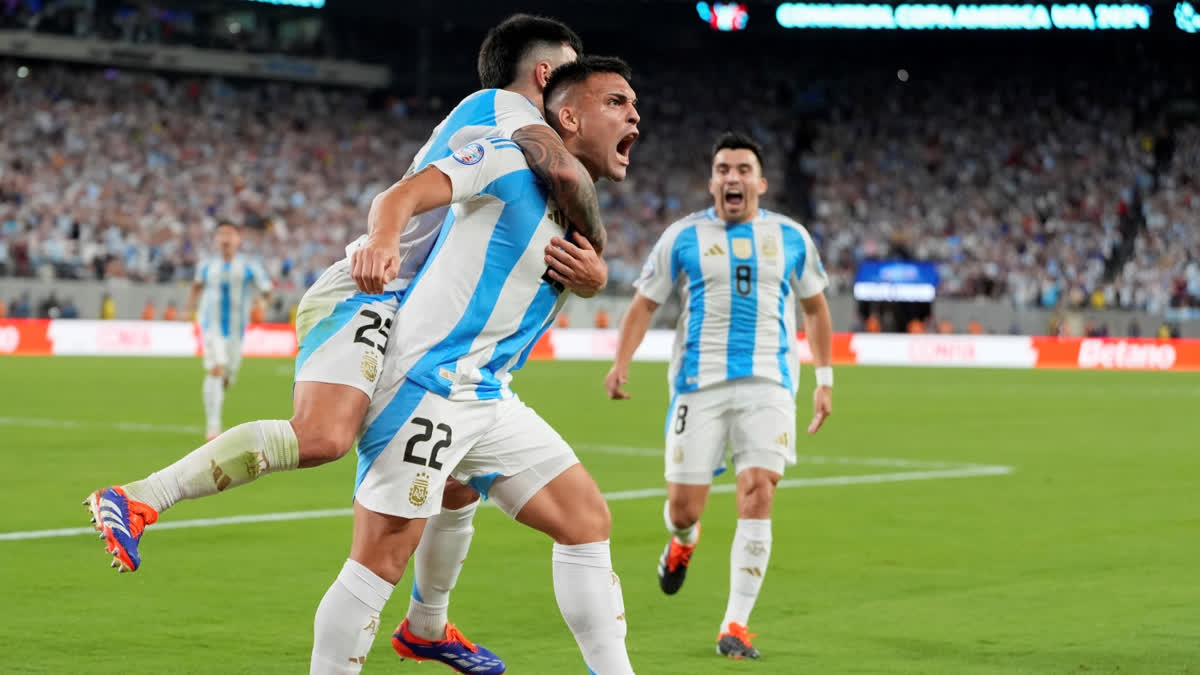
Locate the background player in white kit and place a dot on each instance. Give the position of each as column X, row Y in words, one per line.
column 226, row 287
column 343, row 332
column 738, row 270
column 471, row 316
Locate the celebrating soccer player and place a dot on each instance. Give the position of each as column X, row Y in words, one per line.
column 444, row 407
column 343, row 334
column 738, row 270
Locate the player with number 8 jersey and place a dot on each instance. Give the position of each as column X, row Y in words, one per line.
column 738, row 270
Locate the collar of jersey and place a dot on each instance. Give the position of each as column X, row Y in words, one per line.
column 712, row 213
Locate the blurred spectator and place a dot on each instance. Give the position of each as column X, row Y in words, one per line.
column 171, row 313
column 21, row 307
column 873, row 325
column 50, row 307
column 69, row 310
column 601, row 321
column 974, row 327
column 562, row 321
column 3, row 311
column 108, row 307
column 149, row 311
column 1134, row 329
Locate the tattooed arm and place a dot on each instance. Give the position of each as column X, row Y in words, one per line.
column 568, row 180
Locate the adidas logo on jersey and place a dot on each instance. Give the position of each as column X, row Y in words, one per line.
column 782, row 439
column 715, row 250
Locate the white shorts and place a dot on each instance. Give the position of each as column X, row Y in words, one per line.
column 416, row 439
column 755, row 418
column 342, row 332
column 224, row 351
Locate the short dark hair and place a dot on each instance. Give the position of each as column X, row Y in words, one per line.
column 226, row 223
column 577, row 71
column 512, row 39
column 735, row 140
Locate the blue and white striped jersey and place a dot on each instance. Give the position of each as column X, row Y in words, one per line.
column 486, row 113
column 736, row 283
column 229, row 288
column 479, row 304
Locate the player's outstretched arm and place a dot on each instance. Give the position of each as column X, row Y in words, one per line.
column 567, row 178
column 377, row 263
column 633, row 331
column 818, row 327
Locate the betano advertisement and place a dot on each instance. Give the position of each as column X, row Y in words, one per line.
column 166, row 338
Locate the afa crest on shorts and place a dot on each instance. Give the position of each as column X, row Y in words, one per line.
column 370, row 365
column 469, row 154
column 419, row 491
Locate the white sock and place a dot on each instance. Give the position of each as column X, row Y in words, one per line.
column 688, row 535
column 747, row 568
column 234, row 458
column 347, row 620
column 589, row 596
column 437, row 562
column 214, row 398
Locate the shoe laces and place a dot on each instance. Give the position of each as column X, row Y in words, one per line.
column 455, row 635
column 679, row 554
column 740, row 632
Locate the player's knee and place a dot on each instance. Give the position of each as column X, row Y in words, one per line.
column 320, row 444
column 685, row 513
column 590, row 524
column 458, row 495
column 756, row 490
column 387, row 560
column 217, row 371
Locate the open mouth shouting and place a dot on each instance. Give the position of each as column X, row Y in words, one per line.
column 624, row 145
column 734, row 197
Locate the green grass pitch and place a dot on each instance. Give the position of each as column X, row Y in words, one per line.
column 889, row 555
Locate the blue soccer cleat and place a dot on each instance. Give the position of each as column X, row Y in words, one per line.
column 455, row 651
column 121, row 521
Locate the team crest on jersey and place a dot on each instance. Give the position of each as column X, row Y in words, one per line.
column 770, row 247
column 370, row 365
column 647, row 270
column 742, row 248
column 469, row 154
column 419, row 491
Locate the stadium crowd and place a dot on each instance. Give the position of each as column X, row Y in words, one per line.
column 1041, row 195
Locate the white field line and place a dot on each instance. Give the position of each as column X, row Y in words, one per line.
column 657, row 453
column 143, row 427
column 624, row 495
column 624, row 450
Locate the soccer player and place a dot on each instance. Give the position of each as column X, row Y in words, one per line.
column 343, row 334
column 471, row 317
column 738, row 270
column 225, row 286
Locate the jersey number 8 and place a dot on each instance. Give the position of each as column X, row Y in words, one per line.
column 744, row 278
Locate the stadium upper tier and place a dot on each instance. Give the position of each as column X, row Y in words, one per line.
column 1074, row 190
